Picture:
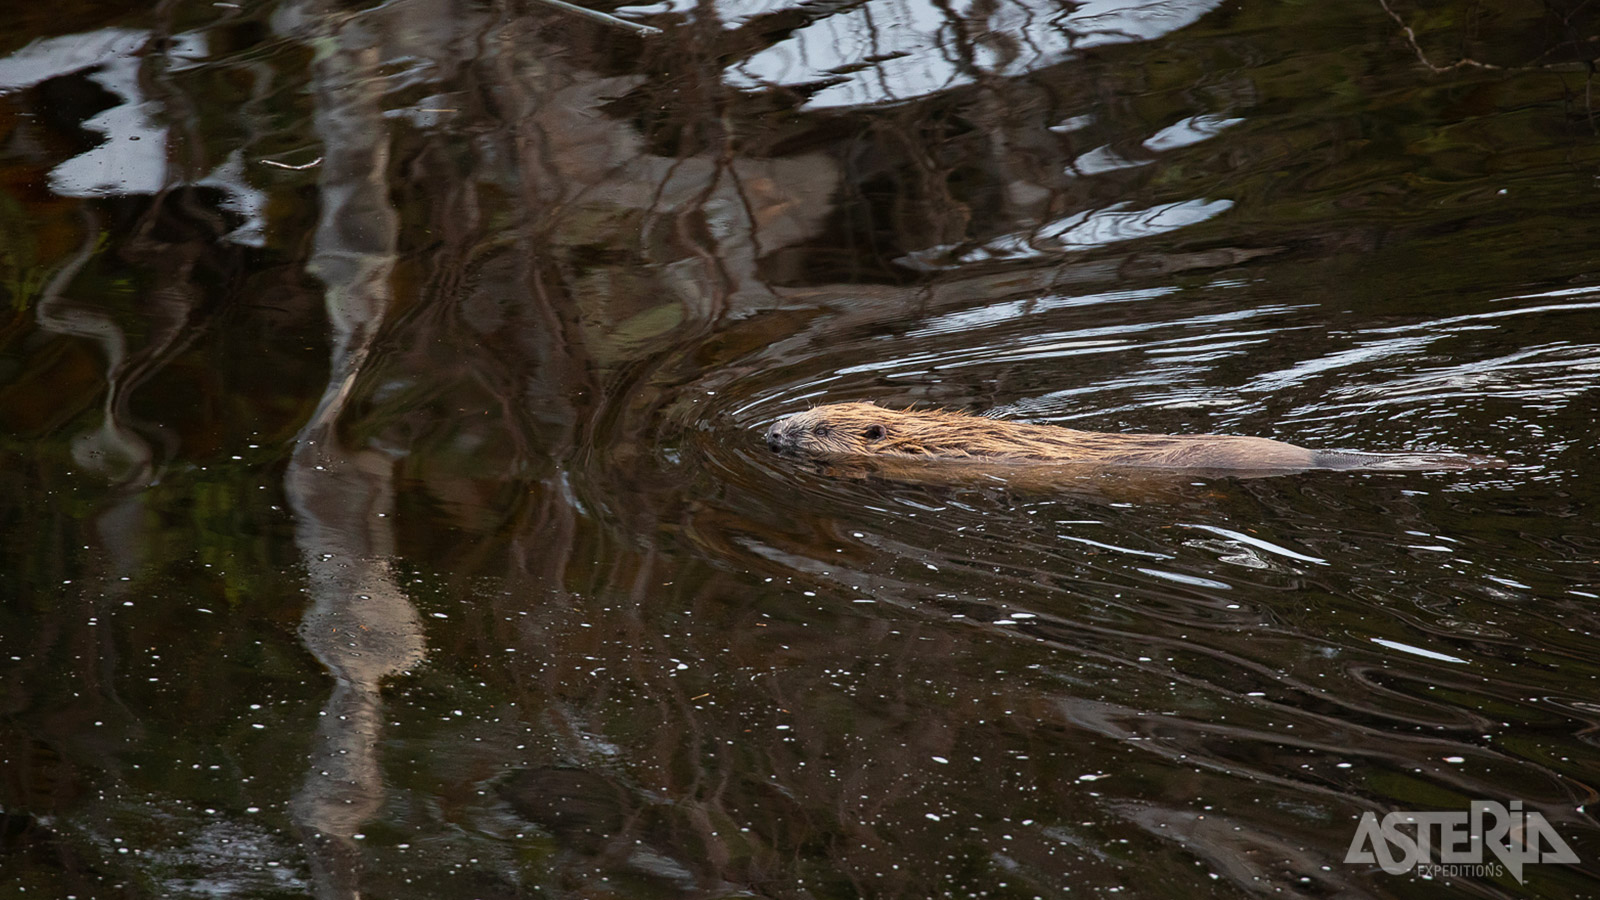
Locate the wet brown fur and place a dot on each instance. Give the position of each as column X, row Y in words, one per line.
column 846, row 431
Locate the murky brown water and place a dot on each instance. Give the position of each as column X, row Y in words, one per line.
column 385, row 508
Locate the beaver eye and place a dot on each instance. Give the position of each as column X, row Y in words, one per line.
column 874, row 432
column 823, row 430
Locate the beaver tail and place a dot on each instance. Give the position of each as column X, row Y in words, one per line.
column 1402, row 462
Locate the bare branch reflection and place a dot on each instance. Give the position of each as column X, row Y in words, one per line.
column 360, row 624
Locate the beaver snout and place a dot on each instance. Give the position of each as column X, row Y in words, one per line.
column 780, row 439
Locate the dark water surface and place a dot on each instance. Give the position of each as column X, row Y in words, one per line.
column 383, row 506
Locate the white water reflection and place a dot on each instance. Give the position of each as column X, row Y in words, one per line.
column 1547, row 376
column 1119, row 223
column 1084, row 230
column 1011, row 310
column 1104, row 159
column 1256, row 542
column 1360, row 357
column 131, row 157
column 1188, row 132
column 1418, row 651
column 50, row 58
column 1008, row 348
column 888, row 51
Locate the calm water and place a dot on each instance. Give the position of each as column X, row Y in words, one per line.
column 384, row 507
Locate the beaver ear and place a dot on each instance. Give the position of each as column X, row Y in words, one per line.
column 874, row 432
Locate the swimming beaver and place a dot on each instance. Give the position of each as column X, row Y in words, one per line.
column 845, row 432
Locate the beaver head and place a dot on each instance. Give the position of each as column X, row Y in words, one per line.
column 852, row 430
column 830, row 432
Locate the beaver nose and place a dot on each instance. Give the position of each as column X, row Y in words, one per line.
column 779, row 440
